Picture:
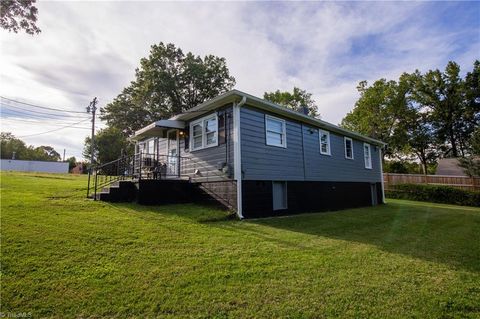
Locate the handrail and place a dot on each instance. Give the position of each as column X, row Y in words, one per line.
column 150, row 166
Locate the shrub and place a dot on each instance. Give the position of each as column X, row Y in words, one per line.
column 435, row 194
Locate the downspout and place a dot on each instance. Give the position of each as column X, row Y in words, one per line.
column 237, row 154
column 381, row 173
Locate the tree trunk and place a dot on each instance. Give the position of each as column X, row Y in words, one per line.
column 454, row 143
column 423, row 160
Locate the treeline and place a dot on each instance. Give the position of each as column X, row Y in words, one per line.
column 10, row 145
column 422, row 117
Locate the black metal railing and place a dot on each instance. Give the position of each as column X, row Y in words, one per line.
column 151, row 166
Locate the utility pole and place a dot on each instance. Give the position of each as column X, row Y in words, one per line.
column 64, row 154
column 92, row 108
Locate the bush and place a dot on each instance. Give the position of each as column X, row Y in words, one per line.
column 435, row 194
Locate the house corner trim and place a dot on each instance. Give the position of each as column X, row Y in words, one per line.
column 237, row 154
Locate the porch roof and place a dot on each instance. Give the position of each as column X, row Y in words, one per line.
column 157, row 128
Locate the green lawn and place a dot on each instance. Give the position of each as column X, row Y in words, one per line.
column 65, row 256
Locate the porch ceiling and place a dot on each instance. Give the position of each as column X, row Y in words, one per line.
column 157, row 128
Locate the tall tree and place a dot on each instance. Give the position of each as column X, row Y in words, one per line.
column 443, row 94
column 168, row 82
column 472, row 108
column 420, row 138
column 19, row 14
column 72, row 162
column 109, row 145
column 295, row 100
column 379, row 112
column 471, row 162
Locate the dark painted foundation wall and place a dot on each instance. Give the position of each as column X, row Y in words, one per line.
column 304, row 196
column 160, row 192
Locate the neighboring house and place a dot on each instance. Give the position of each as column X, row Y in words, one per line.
column 257, row 158
column 449, row 167
column 78, row 169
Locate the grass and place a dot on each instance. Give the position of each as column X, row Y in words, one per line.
column 65, row 256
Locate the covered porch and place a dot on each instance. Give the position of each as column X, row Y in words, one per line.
column 158, row 151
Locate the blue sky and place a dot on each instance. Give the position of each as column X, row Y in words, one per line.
column 323, row 47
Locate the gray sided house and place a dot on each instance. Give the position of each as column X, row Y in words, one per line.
column 257, row 158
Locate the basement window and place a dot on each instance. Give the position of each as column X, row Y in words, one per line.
column 279, row 194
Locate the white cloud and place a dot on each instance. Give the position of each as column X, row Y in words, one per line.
column 89, row 49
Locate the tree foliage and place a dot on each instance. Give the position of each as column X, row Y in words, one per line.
column 110, row 144
column 427, row 115
column 167, row 83
column 295, row 101
column 16, row 15
column 404, row 166
column 72, row 162
column 379, row 112
column 420, row 139
column 471, row 163
column 9, row 144
column 453, row 116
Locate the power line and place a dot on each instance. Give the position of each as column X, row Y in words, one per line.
column 41, row 107
column 25, row 115
column 37, row 112
column 58, row 129
column 36, row 121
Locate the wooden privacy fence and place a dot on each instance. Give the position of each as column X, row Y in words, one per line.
column 463, row 182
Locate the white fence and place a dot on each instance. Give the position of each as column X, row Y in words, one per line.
column 33, row 166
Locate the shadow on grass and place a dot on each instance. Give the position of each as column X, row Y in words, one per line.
column 437, row 233
column 201, row 213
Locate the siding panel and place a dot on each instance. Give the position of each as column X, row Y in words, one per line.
column 210, row 159
column 264, row 162
column 301, row 160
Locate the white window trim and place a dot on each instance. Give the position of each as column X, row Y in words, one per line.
column 320, row 132
column 369, row 166
column 284, row 133
column 204, row 136
column 345, row 147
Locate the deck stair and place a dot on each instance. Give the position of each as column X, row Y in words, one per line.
column 146, row 179
column 119, row 191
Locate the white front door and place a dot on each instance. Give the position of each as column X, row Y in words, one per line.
column 172, row 153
